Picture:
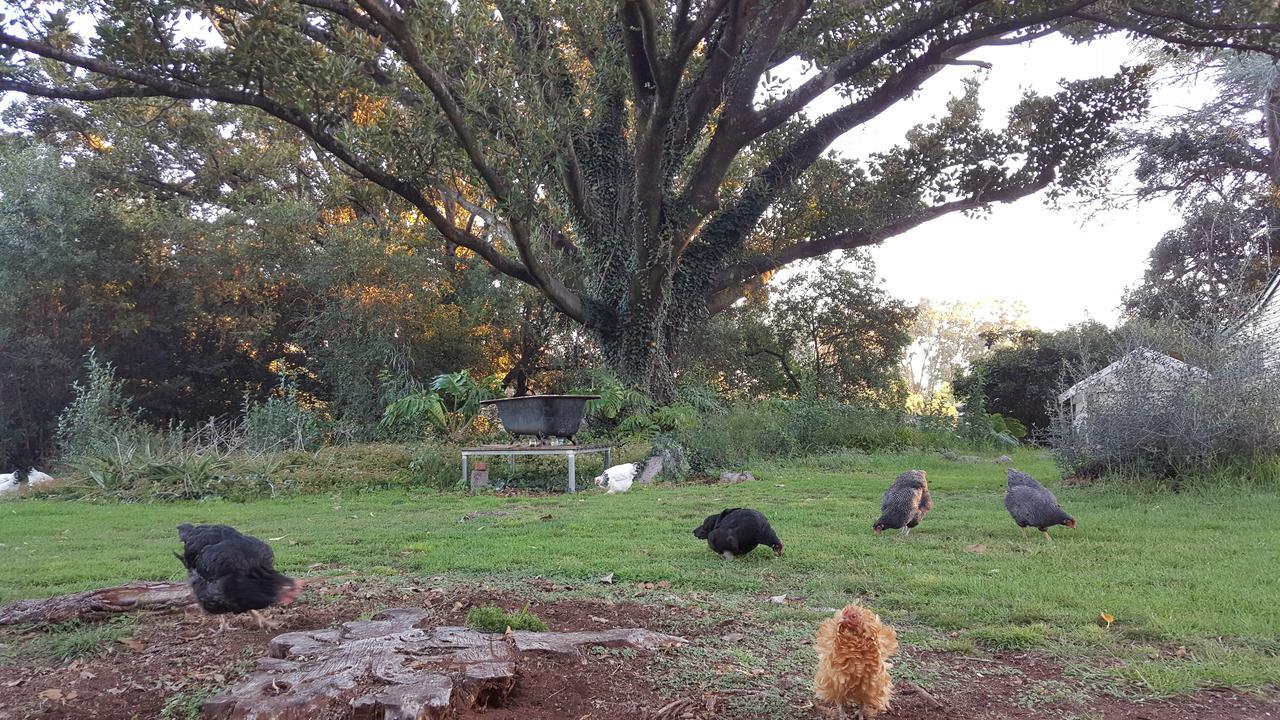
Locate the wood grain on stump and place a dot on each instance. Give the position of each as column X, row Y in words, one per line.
column 397, row 667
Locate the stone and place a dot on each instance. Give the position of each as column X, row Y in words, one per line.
column 736, row 477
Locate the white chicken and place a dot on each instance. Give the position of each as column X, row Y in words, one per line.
column 35, row 478
column 8, row 483
column 618, row 478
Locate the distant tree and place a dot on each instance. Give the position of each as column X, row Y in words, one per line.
column 946, row 336
column 641, row 165
column 830, row 330
column 1023, row 371
column 1221, row 165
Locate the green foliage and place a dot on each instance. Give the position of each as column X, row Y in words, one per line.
column 986, row 429
column 830, row 331
column 164, row 467
column 284, row 421
column 616, row 193
column 493, row 619
column 616, row 399
column 667, row 420
column 186, row 705
column 748, row 432
column 1022, row 371
column 99, row 414
column 451, row 405
column 434, row 469
column 1212, row 161
column 63, row 642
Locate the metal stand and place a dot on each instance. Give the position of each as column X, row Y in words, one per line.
column 510, row 451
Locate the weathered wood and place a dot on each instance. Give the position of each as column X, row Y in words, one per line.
column 93, row 604
column 396, row 667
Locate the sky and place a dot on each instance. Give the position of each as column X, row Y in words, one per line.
column 1064, row 265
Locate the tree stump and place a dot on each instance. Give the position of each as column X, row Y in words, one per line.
column 396, row 667
column 99, row 603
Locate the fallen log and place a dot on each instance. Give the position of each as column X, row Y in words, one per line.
column 94, row 604
column 397, row 665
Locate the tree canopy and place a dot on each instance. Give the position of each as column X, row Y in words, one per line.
column 1220, row 163
column 641, row 165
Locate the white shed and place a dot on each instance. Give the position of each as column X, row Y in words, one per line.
column 1261, row 322
column 1144, row 371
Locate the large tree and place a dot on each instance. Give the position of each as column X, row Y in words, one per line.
column 1220, row 163
column 640, row 164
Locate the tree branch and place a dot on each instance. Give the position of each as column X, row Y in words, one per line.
column 726, row 288
column 184, row 90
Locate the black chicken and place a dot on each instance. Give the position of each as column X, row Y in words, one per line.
column 737, row 531
column 233, row 573
column 1031, row 504
column 905, row 503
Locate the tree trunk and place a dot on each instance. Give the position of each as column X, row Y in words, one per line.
column 639, row 349
column 98, row 603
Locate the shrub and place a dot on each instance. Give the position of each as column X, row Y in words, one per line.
column 430, row 467
column 1216, row 423
column 451, row 405
column 491, row 618
column 789, row 428
column 282, row 421
column 99, row 413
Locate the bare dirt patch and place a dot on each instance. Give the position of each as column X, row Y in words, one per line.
column 175, row 658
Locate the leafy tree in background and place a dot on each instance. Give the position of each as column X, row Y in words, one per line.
column 829, row 331
column 1023, row 371
column 1221, row 165
column 946, row 336
column 641, row 165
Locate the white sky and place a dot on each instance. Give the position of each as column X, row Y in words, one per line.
column 1064, row 265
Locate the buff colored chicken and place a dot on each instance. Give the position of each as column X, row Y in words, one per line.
column 853, row 646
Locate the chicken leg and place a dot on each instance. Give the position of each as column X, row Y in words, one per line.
column 1046, row 535
column 263, row 622
column 906, row 531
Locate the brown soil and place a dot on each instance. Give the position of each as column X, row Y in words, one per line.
column 172, row 654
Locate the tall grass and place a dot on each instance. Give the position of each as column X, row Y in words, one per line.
column 795, row 428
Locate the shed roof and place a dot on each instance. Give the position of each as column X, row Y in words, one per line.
column 1172, row 364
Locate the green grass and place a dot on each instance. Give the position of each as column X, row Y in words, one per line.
column 67, row 641
column 491, row 618
column 1193, row 569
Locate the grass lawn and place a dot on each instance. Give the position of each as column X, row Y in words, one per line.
column 1196, row 570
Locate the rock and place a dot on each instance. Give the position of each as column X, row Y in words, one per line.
column 1004, row 460
column 652, row 469
column 397, row 666
column 666, row 462
column 733, row 637
column 736, row 477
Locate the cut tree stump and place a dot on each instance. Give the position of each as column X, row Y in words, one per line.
column 397, row 667
column 99, row 603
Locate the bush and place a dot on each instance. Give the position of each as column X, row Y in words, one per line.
column 432, row 468
column 282, row 421
column 451, row 405
column 790, row 428
column 99, row 414
column 491, row 618
column 1218, row 422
